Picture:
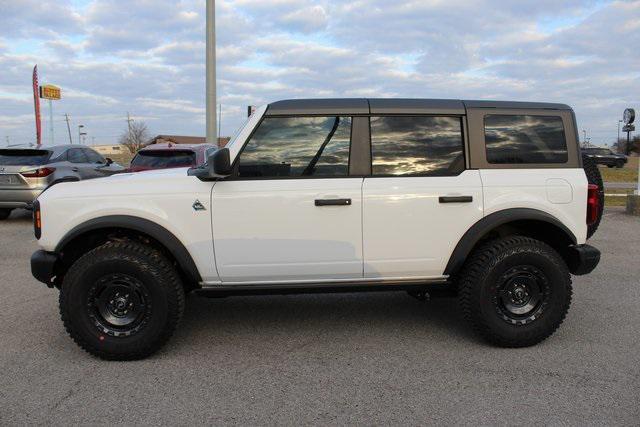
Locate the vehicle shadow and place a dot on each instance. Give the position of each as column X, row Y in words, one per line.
column 19, row 215
column 265, row 321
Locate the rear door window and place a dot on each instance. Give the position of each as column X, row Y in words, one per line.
column 416, row 146
column 23, row 157
column 164, row 159
column 518, row 139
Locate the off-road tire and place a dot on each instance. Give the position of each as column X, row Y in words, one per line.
column 594, row 177
column 479, row 291
column 4, row 214
column 156, row 283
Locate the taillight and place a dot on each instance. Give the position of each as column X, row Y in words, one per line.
column 38, row 173
column 37, row 219
column 593, row 204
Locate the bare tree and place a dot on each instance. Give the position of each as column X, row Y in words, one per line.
column 135, row 137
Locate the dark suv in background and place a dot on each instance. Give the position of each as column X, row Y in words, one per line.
column 604, row 156
column 27, row 172
column 167, row 156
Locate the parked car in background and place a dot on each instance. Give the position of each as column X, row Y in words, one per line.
column 25, row 173
column 604, row 156
column 166, row 156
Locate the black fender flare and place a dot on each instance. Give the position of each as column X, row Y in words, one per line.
column 490, row 222
column 150, row 228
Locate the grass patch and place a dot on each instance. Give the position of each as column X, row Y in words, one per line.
column 629, row 173
column 614, row 200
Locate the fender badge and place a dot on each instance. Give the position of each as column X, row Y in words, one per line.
column 198, row 206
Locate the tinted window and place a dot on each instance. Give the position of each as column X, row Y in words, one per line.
column 298, row 146
column 163, row 159
column 75, row 155
column 525, row 139
column 23, row 157
column 93, row 156
column 416, row 145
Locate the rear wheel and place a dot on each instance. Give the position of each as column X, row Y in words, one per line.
column 515, row 291
column 594, row 177
column 4, row 213
column 620, row 164
column 121, row 301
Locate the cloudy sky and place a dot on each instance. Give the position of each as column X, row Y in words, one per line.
column 147, row 57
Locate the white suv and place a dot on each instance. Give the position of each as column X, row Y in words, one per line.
column 485, row 200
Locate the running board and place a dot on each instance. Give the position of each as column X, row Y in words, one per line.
column 434, row 287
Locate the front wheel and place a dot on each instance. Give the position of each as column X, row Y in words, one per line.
column 121, row 301
column 515, row 291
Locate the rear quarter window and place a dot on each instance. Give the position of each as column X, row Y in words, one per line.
column 23, row 157
column 522, row 139
column 162, row 159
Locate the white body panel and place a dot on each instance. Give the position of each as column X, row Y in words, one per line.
column 270, row 230
column 163, row 197
column 407, row 231
column 561, row 193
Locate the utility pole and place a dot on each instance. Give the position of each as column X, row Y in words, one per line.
column 211, row 73
column 66, row 117
column 219, row 121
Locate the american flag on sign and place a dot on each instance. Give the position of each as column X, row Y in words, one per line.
column 36, row 105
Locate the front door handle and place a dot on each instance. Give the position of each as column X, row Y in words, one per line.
column 333, row 202
column 74, row 169
column 455, row 199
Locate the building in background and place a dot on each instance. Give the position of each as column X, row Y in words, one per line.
column 108, row 150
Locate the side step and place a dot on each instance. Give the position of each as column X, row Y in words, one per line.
column 433, row 289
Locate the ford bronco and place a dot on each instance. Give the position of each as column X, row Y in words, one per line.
column 485, row 200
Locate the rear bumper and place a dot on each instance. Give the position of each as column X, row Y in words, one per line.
column 582, row 259
column 18, row 198
column 43, row 266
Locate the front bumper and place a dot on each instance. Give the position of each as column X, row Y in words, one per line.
column 43, row 266
column 18, row 198
column 582, row 259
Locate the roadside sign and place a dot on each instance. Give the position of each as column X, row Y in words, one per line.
column 629, row 128
column 50, row 92
column 629, row 116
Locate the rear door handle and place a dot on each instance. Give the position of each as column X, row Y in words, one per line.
column 74, row 169
column 333, row 202
column 455, row 199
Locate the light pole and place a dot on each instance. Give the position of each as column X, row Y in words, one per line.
column 211, row 73
column 618, row 140
column 80, row 133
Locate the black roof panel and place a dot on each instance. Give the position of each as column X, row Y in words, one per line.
column 336, row 106
column 416, row 106
column 358, row 106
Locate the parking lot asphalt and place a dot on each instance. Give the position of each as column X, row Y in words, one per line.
column 368, row 358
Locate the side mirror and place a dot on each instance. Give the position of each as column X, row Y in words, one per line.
column 218, row 166
column 109, row 161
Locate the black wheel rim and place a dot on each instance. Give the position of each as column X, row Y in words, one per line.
column 119, row 305
column 522, row 294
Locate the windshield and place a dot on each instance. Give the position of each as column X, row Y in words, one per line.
column 163, row 159
column 23, row 157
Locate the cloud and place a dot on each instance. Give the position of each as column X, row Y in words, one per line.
column 147, row 57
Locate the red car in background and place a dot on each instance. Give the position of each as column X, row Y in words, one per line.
column 165, row 156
